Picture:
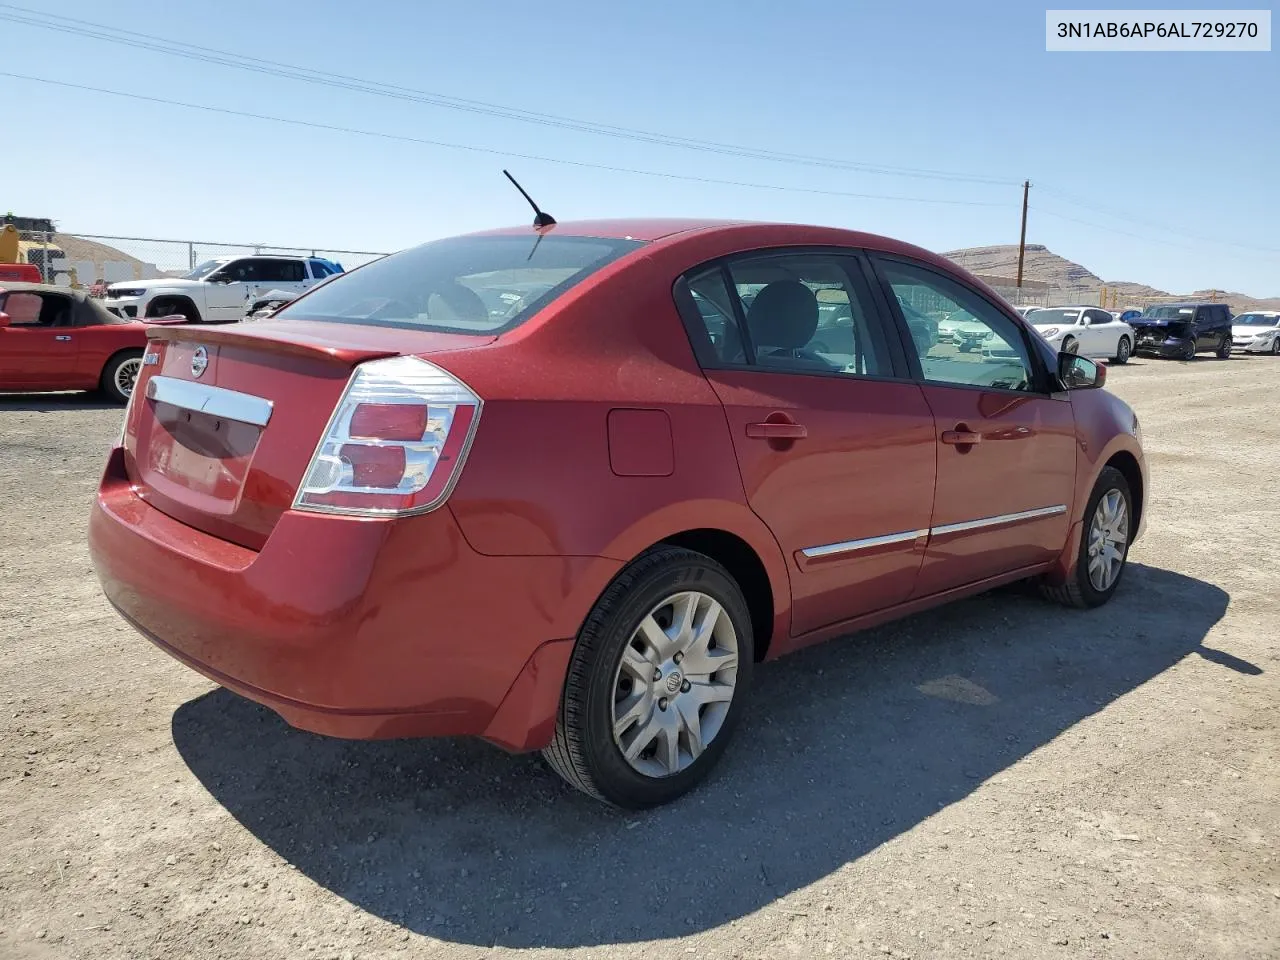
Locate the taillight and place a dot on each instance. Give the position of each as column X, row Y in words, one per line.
column 395, row 443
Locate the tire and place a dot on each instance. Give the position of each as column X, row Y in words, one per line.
column 1124, row 350
column 1275, row 346
column 1189, row 351
column 585, row 751
column 182, row 306
column 1224, row 347
column 120, row 374
column 965, row 347
column 1081, row 591
column 1070, row 345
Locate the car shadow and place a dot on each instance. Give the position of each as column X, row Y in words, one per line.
column 846, row 746
column 54, row 402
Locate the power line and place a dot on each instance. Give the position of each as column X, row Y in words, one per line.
column 404, row 138
column 1130, row 217
column 1262, row 252
column 176, row 48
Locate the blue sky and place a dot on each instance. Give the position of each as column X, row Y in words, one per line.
column 1131, row 144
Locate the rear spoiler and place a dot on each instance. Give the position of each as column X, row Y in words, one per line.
column 269, row 342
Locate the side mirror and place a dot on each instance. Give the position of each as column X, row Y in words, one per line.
column 1077, row 373
column 4, row 319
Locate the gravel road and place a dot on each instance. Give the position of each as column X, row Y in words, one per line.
column 997, row 778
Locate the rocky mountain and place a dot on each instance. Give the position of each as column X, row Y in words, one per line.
column 1075, row 283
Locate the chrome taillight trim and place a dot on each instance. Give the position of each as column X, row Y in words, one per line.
column 215, row 401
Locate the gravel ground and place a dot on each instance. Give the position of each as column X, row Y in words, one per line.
column 997, row 778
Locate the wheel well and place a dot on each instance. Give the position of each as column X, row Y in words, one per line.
column 735, row 555
column 1127, row 464
column 173, row 303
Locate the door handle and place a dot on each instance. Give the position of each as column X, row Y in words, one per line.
column 61, row 337
column 960, row 437
column 777, row 430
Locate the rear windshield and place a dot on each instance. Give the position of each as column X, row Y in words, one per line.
column 482, row 285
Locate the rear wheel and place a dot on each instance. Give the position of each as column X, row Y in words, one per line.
column 1104, row 545
column 1224, row 347
column 656, row 683
column 120, row 374
column 1123, row 349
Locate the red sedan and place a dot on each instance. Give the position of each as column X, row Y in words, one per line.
column 563, row 488
column 54, row 338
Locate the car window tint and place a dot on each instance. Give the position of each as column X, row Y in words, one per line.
column 977, row 345
column 711, row 321
column 804, row 314
column 319, row 269
column 275, row 271
column 1100, row 316
column 29, row 309
column 23, row 309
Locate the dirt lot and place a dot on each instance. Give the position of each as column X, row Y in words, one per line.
column 1000, row 778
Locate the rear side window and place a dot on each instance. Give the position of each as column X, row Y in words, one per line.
column 800, row 313
column 279, row 271
column 482, row 285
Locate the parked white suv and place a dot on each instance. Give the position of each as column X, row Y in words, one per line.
column 217, row 290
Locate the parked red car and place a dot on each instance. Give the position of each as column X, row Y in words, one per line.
column 55, row 338
column 561, row 489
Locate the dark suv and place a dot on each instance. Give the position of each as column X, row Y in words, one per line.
column 1181, row 330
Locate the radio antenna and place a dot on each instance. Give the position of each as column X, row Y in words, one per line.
column 540, row 219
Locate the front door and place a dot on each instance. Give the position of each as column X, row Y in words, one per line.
column 1006, row 448
column 38, row 349
column 834, row 440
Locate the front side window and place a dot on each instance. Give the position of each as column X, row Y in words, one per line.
column 202, row 271
column 977, row 344
column 802, row 312
column 480, row 285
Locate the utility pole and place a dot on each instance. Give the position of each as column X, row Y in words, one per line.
column 1022, row 240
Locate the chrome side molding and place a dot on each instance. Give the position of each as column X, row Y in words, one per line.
column 853, row 546
column 215, row 401
column 999, row 521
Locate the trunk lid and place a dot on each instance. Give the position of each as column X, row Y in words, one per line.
column 227, row 418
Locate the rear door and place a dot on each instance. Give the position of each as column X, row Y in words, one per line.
column 1005, row 446
column 833, row 438
column 38, row 349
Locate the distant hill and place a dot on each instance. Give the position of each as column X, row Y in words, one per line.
column 1073, row 282
column 79, row 249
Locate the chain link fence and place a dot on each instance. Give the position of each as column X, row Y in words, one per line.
column 90, row 261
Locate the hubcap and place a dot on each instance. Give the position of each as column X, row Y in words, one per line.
column 674, row 684
column 127, row 375
column 1108, row 540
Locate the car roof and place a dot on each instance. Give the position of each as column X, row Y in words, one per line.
column 15, row 286
column 767, row 234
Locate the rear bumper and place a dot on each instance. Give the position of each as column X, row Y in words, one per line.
column 353, row 628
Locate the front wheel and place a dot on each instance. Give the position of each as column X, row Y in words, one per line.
column 1123, row 349
column 1104, row 545
column 1275, row 346
column 120, row 375
column 1224, row 347
column 658, row 678
column 1189, row 351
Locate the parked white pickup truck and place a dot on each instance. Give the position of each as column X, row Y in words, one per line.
column 218, row 290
